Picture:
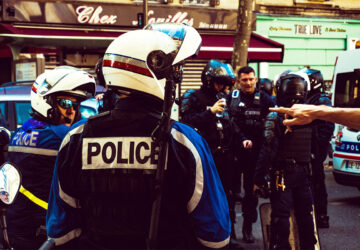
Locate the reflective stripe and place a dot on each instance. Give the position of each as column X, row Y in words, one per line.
column 199, row 176
column 6, row 130
column 67, row 237
column 220, row 244
column 33, row 198
column 36, row 151
column 68, row 199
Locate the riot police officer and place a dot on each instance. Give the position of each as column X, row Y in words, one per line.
column 265, row 84
column 248, row 108
column 285, row 157
column 55, row 102
column 322, row 133
column 104, row 180
column 204, row 109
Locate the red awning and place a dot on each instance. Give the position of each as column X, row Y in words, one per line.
column 214, row 46
column 261, row 49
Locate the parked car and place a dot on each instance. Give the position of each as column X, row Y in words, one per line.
column 346, row 93
column 15, row 103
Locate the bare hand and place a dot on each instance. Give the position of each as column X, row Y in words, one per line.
column 218, row 106
column 298, row 114
column 247, row 144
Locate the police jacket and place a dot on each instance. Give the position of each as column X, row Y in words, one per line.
column 248, row 111
column 195, row 111
column 282, row 150
column 103, row 184
column 323, row 130
column 33, row 149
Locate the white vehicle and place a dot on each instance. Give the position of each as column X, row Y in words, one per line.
column 346, row 93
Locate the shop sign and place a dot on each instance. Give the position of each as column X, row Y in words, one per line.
column 307, row 29
column 110, row 14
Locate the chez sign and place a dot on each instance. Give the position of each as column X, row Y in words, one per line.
column 112, row 14
column 91, row 15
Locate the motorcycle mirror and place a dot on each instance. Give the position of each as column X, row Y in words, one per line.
column 10, row 180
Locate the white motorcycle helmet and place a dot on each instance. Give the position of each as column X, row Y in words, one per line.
column 139, row 61
column 63, row 80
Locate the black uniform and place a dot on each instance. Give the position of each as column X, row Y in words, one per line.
column 221, row 134
column 4, row 139
column 106, row 169
column 248, row 111
column 285, row 157
column 320, row 143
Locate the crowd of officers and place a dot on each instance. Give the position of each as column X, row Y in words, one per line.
column 101, row 201
column 251, row 146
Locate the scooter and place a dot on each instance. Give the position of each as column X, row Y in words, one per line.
column 10, row 181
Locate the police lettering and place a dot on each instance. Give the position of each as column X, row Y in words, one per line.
column 120, row 152
column 26, row 139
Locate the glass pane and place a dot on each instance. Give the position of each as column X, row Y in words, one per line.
column 23, row 110
column 347, row 90
column 2, row 109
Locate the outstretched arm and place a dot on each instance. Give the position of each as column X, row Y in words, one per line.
column 301, row 114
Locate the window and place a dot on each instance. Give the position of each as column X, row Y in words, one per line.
column 23, row 110
column 347, row 92
column 2, row 109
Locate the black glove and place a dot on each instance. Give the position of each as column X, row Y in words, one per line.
column 264, row 190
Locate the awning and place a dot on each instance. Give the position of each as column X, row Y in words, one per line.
column 214, row 46
column 261, row 49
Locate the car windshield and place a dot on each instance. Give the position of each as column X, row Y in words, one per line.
column 347, row 91
column 86, row 112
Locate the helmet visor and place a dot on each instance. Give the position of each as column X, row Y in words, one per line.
column 188, row 39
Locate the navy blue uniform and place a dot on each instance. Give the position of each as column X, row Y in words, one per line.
column 285, row 157
column 33, row 149
column 224, row 141
column 248, row 111
column 103, row 184
column 320, row 144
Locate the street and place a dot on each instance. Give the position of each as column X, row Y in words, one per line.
column 344, row 212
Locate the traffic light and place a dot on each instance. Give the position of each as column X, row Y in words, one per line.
column 140, row 19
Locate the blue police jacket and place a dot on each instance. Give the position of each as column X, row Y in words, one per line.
column 205, row 203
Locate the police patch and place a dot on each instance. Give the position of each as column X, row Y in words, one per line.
column 119, row 153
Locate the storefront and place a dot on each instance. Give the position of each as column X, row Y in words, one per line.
column 77, row 33
column 309, row 42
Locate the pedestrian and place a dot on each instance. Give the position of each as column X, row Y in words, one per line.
column 104, row 180
column 248, row 108
column 322, row 132
column 55, row 102
column 205, row 109
column 284, row 159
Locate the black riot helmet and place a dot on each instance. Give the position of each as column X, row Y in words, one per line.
column 265, row 84
column 216, row 71
column 292, row 89
column 316, row 80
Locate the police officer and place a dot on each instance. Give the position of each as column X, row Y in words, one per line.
column 248, row 107
column 204, row 109
column 103, row 184
column 55, row 102
column 285, row 157
column 265, row 84
column 322, row 133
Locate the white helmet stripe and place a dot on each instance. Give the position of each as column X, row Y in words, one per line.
column 126, row 63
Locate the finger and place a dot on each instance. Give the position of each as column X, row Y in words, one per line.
column 290, row 122
column 280, row 110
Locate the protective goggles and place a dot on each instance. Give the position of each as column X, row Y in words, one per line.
column 66, row 103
